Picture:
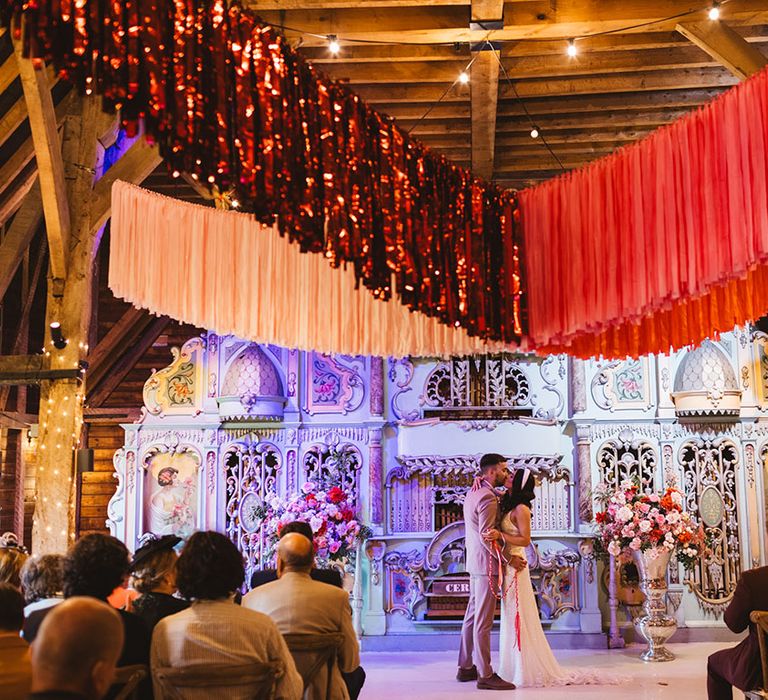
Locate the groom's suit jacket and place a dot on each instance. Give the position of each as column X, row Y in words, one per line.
column 481, row 509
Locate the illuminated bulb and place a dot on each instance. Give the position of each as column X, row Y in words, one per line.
column 463, row 77
column 534, row 133
column 333, row 45
column 572, row 50
column 714, row 11
column 235, row 203
column 211, row 179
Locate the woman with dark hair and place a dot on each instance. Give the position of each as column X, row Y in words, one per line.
column 214, row 630
column 153, row 575
column 525, row 655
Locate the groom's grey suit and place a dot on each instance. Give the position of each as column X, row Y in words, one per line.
column 480, row 513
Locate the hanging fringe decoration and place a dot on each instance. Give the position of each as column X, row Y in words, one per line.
column 228, row 101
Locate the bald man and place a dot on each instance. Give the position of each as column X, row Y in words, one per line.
column 299, row 605
column 76, row 651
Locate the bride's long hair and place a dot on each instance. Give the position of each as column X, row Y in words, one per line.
column 521, row 491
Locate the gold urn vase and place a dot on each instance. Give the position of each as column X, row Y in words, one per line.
column 655, row 625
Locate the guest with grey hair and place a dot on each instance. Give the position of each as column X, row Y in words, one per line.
column 42, row 581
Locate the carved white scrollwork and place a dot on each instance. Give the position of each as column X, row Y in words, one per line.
column 626, row 458
column 251, row 468
column 709, row 486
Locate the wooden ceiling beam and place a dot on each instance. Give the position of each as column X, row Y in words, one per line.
column 525, row 68
column 725, row 46
column 19, row 236
column 391, row 53
column 16, row 195
column 15, row 116
column 538, row 19
column 626, row 103
column 97, row 395
column 136, row 164
column 9, row 71
column 50, row 164
column 695, row 78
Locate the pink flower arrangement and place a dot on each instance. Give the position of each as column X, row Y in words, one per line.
column 631, row 520
column 329, row 512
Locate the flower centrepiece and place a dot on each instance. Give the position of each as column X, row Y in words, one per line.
column 330, row 513
column 632, row 520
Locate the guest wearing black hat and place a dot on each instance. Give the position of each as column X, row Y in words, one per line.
column 153, row 574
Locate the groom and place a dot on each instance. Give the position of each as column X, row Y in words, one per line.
column 481, row 514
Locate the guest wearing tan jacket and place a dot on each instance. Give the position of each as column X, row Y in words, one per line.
column 299, row 605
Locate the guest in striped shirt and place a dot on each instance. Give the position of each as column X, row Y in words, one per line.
column 214, row 630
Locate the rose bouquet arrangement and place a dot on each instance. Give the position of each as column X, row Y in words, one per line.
column 631, row 520
column 329, row 512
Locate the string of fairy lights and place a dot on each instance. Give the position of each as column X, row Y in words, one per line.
column 571, row 50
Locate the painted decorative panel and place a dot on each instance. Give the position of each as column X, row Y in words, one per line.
column 180, row 387
column 622, row 385
column 171, row 483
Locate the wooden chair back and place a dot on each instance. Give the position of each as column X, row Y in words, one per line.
column 260, row 678
column 760, row 620
column 324, row 652
column 127, row 680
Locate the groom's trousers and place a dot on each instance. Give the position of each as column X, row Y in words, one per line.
column 476, row 629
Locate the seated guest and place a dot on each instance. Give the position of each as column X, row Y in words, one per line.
column 299, row 605
column 76, row 650
column 213, row 630
column 12, row 558
column 740, row 666
column 15, row 671
column 42, row 580
column 153, row 575
column 331, row 576
column 93, row 567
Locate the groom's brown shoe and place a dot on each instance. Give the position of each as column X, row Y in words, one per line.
column 466, row 674
column 493, row 682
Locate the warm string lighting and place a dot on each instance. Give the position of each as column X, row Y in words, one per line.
column 534, row 133
column 463, row 77
column 572, row 50
column 714, row 11
column 333, row 45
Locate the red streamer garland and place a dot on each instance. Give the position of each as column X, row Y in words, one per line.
column 229, row 101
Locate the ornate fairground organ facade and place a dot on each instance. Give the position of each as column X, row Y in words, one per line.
column 229, row 425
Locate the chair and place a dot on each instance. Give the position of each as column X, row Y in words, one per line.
column 760, row 619
column 260, row 679
column 324, row 651
column 127, row 680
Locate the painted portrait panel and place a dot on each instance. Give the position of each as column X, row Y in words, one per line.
column 170, row 494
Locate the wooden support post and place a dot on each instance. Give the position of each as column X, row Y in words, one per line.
column 484, row 93
column 61, row 401
column 725, row 46
column 50, row 165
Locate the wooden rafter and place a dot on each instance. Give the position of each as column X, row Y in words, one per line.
column 430, row 24
column 134, row 166
column 19, row 235
column 725, row 46
column 9, row 71
column 50, row 165
column 15, row 116
column 123, row 334
column 121, row 368
column 16, row 196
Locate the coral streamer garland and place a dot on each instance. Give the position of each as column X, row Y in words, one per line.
column 659, row 245
column 229, row 101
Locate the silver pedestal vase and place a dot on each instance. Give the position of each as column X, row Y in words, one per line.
column 655, row 625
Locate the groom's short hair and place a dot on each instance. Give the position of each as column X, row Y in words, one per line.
column 491, row 460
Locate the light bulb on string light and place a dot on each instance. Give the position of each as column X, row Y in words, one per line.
column 714, row 11
column 572, row 50
column 333, row 45
column 534, row 133
column 463, row 77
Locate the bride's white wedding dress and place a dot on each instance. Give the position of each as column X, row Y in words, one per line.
column 532, row 663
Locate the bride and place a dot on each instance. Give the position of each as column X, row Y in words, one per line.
column 526, row 658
